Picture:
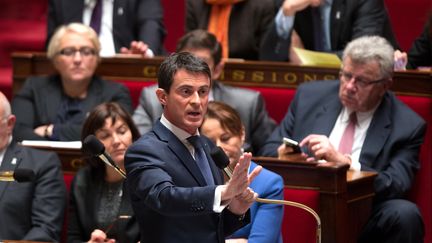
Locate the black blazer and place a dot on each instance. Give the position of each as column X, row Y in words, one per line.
column 33, row 210
column 420, row 53
column 348, row 20
column 83, row 208
column 39, row 100
column 132, row 20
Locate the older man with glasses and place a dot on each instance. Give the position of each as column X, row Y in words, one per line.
column 358, row 121
column 54, row 108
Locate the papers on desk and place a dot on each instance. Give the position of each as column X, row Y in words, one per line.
column 315, row 58
column 52, row 144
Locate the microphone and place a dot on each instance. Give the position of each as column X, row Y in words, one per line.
column 19, row 175
column 222, row 161
column 93, row 147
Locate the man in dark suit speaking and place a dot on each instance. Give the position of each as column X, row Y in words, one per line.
column 175, row 185
column 31, row 210
column 358, row 121
column 248, row 103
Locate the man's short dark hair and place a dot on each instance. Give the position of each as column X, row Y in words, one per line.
column 176, row 62
column 201, row 39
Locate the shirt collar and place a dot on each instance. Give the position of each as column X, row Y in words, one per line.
column 178, row 132
column 361, row 116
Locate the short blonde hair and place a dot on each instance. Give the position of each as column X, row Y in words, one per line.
column 54, row 44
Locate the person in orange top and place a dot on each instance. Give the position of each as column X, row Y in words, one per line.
column 240, row 25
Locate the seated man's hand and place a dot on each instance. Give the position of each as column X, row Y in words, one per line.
column 290, row 7
column 400, row 60
column 137, row 47
column 287, row 153
column 98, row 236
column 321, row 148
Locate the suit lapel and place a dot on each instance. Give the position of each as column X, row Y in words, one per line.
column 377, row 133
column 327, row 115
column 217, row 91
column 11, row 160
column 180, row 150
column 73, row 11
column 336, row 16
column 52, row 104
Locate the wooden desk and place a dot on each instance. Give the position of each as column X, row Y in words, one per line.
column 244, row 73
column 345, row 196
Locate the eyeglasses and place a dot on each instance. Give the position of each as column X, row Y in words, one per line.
column 359, row 82
column 71, row 51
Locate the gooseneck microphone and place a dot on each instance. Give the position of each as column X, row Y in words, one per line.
column 18, row 175
column 93, row 147
column 222, row 161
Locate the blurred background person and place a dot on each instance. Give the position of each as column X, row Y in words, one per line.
column 222, row 124
column 54, row 107
column 239, row 25
column 99, row 200
column 324, row 25
column 32, row 210
column 248, row 103
column 420, row 54
column 123, row 26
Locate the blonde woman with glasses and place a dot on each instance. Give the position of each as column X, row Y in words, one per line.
column 54, row 107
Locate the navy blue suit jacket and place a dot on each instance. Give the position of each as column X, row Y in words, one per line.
column 32, row 210
column 169, row 195
column 392, row 142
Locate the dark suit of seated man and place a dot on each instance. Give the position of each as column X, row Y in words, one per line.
column 382, row 135
column 176, row 188
column 324, row 25
column 31, row 210
column 248, row 103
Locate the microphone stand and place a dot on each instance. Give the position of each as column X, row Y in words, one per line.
column 297, row 205
column 228, row 172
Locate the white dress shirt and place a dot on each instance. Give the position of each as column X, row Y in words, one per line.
column 363, row 121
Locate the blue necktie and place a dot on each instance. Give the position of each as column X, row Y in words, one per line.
column 96, row 18
column 201, row 159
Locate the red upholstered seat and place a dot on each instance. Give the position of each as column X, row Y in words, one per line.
column 135, row 88
column 298, row 225
column 420, row 192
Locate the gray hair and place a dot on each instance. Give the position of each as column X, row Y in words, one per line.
column 78, row 28
column 371, row 48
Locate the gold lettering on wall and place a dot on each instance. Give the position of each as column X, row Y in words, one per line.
column 290, row 78
column 309, row 77
column 257, row 76
column 77, row 163
column 238, row 75
column 150, row 71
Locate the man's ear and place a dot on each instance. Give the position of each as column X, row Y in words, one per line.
column 161, row 96
column 218, row 70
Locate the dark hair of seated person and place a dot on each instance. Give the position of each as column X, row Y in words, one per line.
column 96, row 120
